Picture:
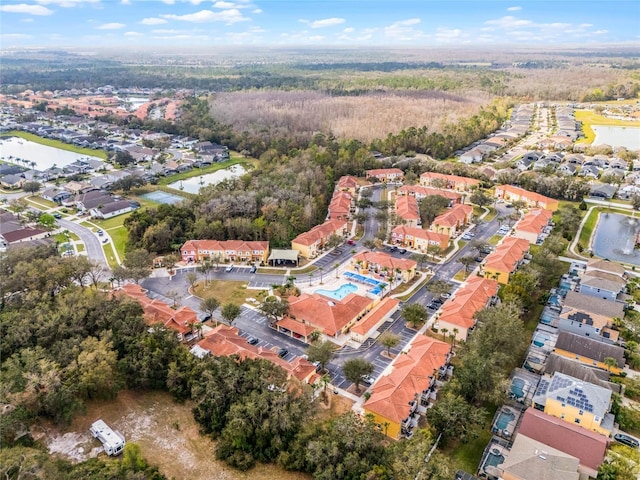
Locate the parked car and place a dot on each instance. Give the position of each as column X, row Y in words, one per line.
column 229, row 269
column 252, row 340
column 283, row 352
column 253, row 269
column 351, row 242
column 368, row 379
column 57, row 216
column 402, row 251
column 100, row 232
column 106, row 240
column 626, row 440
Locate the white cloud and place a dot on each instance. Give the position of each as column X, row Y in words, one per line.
column 14, row 36
column 508, row 22
column 125, row 2
column 349, row 30
column 153, row 21
column 403, row 30
column 111, row 26
column 66, row 3
column 600, row 32
column 327, row 22
column 133, row 34
column 303, row 20
column 514, row 9
column 257, row 10
column 405, row 23
column 316, row 38
column 207, row 16
column 224, row 5
column 27, row 9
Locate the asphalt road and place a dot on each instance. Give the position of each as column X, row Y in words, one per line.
column 93, row 247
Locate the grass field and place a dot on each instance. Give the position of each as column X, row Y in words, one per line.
column 108, row 252
column 119, row 237
column 589, row 118
column 224, row 291
column 41, row 202
column 56, row 144
column 248, row 164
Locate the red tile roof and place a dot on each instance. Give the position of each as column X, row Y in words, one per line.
column 410, row 374
column 456, row 215
column 385, row 260
column 225, row 245
column 384, row 172
column 428, row 177
column 401, row 232
column 407, row 208
column 507, row 255
column 420, row 191
column 340, row 206
column 320, row 232
column 534, row 221
column 589, row 447
column 526, row 196
column 326, row 314
column 224, row 341
column 471, row 297
column 347, row 182
column 380, row 311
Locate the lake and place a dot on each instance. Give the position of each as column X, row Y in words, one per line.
column 44, row 156
column 615, row 236
column 194, row 184
column 627, row 137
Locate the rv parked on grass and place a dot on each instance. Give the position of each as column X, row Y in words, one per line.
column 112, row 441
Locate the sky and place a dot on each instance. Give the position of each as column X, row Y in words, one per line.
column 340, row 23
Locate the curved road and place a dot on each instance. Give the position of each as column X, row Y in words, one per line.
column 92, row 243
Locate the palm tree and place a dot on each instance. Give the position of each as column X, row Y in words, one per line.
column 444, row 333
column 336, row 265
column 610, row 362
column 455, row 334
column 320, row 268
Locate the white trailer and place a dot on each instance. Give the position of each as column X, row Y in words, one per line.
column 112, row 441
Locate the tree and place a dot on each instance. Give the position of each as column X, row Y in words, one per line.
column 420, row 259
column 389, row 340
column 518, row 205
column 610, row 363
column 480, row 198
column 47, row 221
column 138, row 264
column 124, row 158
column 354, row 369
column 174, row 296
column 204, row 268
column 444, row 334
column 31, row 187
column 333, row 241
column 170, row 261
column 467, row 262
column 274, row 308
column 438, row 287
column 431, row 206
column 414, row 314
column 321, row 352
column 229, row 312
column 455, row 418
column 192, row 279
column 416, row 459
column 209, row 305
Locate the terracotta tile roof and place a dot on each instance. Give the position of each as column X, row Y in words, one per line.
column 456, row 215
column 384, row 260
column 428, row 177
column 347, row 181
column 401, row 232
column 224, row 341
column 225, row 245
column 470, row 298
column 419, row 191
column 407, row 208
column 507, row 255
column 326, row 314
column 587, row 446
column 410, row 374
column 295, row 326
column 380, row 311
column 340, row 205
column 320, row 232
column 534, row 221
column 527, row 196
column 383, row 172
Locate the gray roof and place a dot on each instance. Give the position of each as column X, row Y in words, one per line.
column 603, row 281
column 590, row 348
column 598, row 306
column 573, row 392
column 526, row 460
column 558, row 363
column 605, row 266
column 115, row 206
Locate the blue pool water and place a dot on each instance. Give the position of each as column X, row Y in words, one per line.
column 362, row 279
column 493, row 460
column 517, row 387
column 163, row 197
column 339, row 293
column 554, row 300
column 504, row 419
column 540, row 340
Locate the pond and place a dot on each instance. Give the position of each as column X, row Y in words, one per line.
column 615, row 238
column 15, row 150
column 194, row 184
column 628, row 137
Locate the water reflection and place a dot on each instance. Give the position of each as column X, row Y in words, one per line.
column 615, row 238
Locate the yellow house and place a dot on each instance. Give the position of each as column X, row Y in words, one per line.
column 506, row 259
column 575, row 401
column 589, row 351
column 385, row 265
column 310, row 243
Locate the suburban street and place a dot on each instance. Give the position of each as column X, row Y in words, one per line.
column 93, row 247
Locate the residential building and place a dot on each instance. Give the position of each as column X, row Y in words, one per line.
column 458, row 313
column 341, row 206
column 475, row 155
column 452, row 182
column 453, row 220
column 407, row 210
column 421, row 192
column 157, row 312
column 224, row 341
column 310, row 243
column 506, row 259
column 588, row 447
column 589, row 351
column 419, row 239
column 531, row 199
column 603, row 279
column 367, row 327
column 112, row 209
column 225, row 251
column 576, row 402
column 347, row 183
column 384, row 265
column 396, row 397
column 530, row 459
column 532, row 225
column 385, row 175
column 55, row 195
column 589, row 316
column 310, row 312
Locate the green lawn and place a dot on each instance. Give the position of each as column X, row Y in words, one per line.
column 111, row 259
column 56, row 144
column 111, row 222
column 119, row 237
column 80, row 247
column 42, row 202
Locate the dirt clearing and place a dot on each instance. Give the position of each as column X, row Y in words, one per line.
column 166, row 432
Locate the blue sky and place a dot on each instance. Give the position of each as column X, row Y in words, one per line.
column 350, row 23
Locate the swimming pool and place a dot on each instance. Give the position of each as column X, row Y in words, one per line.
column 362, row 279
column 517, row 387
column 494, row 458
column 539, row 340
column 505, row 417
column 338, row 293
